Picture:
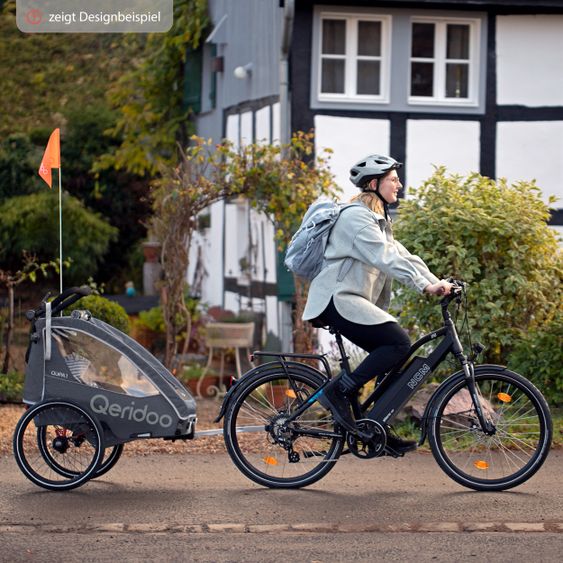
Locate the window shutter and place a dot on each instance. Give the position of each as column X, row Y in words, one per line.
column 192, row 80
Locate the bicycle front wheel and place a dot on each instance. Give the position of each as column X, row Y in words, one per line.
column 269, row 451
column 514, row 451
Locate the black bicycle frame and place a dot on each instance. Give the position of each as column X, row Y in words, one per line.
column 400, row 384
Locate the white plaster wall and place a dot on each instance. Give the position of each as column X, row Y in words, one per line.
column 454, row 144
column 232, row 129
column 532, row 150
column 213, row 257
column 246, row 128
column 263, row 129
column 276, row 123
column 351, row 139
column 530, row 60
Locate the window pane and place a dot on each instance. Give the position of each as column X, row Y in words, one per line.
column 422, row 79
column 457, row 80
column 423, row 40
column 458, row 42
column 368, row 77
column 334, row 37
column 332, row 77
column 369, row 39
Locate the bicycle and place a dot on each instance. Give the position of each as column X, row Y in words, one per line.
column 489, row 428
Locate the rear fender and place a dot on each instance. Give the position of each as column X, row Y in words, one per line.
column 458, row 375
column 261, row 370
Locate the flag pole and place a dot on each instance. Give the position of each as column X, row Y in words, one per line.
column 60, row 232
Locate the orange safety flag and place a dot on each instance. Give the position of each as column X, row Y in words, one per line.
column 51, row 157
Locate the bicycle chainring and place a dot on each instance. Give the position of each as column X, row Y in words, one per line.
column 368, row 449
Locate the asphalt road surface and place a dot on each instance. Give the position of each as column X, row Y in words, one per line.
column 200, row 508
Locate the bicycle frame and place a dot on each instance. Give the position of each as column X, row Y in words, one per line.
column 401, row 383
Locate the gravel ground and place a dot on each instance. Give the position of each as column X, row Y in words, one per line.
column 207, row 410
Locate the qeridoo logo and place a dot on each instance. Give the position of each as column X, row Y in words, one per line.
column 100, row 405
column 418, row 376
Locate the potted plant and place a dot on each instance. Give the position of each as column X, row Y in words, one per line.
column 201, row 381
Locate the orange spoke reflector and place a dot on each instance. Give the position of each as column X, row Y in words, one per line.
column 481, row 464
column 270, row 460
column 291, row 394
column 504, row 397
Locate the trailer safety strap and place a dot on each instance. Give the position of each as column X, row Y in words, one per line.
column 47, row 331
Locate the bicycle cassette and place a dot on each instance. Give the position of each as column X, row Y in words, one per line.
column 367, row 449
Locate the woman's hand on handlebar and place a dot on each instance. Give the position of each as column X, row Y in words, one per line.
column 443, row 287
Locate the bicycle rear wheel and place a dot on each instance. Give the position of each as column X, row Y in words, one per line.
column 265, row 449
column 513, row 453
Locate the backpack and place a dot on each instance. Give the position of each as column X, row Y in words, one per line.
column 305, row 253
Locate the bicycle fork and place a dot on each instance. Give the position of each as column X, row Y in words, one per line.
column 469, row 371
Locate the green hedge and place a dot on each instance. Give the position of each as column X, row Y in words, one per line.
column 539, row 357
column 103, row 309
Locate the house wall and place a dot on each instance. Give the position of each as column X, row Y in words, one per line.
column 245, row 110
column 513, row 131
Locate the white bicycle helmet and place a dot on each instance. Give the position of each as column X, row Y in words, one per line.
column 370, row 167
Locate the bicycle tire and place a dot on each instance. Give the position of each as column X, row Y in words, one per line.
column 250, row 423
column 79, row 433
column 509, row 457
column 56, row 461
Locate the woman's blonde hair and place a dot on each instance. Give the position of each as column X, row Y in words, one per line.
column 370, row 200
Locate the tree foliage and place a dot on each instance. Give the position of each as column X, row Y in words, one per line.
column 45, row 73
column 495, row 237
column 30, row 223
column 150, row 96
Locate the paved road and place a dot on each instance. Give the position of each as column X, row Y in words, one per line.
column 200, row 508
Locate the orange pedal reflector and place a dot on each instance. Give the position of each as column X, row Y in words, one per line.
column 270, row 460
column 481, row 464
column 291, row 394
column 504, row 397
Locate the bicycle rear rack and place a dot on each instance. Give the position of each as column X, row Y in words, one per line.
column 283, row 355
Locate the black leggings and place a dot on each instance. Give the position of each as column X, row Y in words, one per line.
column 387, row 343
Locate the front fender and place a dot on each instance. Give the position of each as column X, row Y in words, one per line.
column 483, row 368
column 260, row 370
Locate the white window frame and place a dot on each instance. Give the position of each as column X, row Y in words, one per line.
column 439, row 60
column 351, row 57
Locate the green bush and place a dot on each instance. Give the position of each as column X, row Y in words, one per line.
column 31, row 223
column 11, row 387
column 495, row 237
column 103, row 309
column 539, row 357
column 153, row 319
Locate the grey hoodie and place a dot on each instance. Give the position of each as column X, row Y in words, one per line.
column 361, row 260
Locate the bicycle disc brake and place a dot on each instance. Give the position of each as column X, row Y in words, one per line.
column 367, row 449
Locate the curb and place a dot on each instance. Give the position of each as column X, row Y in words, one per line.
column 309, row 528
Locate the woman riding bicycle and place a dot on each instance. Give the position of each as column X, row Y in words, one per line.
column 352, row 292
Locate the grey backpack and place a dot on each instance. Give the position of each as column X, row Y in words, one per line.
column 305, row 253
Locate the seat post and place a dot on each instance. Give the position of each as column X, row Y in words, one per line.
column 344, row 364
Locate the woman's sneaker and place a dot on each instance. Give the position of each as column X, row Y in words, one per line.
column 334, row 398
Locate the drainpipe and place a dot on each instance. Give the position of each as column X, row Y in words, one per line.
column 285, row 136
column 287, row 30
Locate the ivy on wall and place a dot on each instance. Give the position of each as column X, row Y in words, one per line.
column 153, row 117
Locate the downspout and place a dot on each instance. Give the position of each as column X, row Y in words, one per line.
column 287, row 31
column 285, row 113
